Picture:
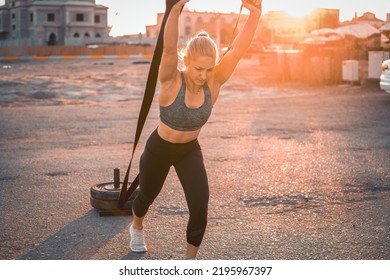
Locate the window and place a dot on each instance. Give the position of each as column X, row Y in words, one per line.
column 13, row 27
column 86, row 35
column 79, row 17
column 31, row 17
column 76, row 35
column 13, row 15
column 97, row 35
column 13, row 3
column 51, row 17
column 188, row 31
column 188, row 19
column 97, row 19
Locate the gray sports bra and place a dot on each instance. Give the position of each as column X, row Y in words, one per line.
column 179, row 117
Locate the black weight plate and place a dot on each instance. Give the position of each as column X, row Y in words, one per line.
column 109, row 204
column 107, row 191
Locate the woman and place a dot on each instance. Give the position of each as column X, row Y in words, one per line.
column 186, row 99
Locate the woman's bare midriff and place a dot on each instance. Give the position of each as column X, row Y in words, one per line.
column 175, row 136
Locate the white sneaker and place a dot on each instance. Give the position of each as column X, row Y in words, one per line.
column 137, row 241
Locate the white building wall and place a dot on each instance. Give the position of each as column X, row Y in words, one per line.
column 26, row 22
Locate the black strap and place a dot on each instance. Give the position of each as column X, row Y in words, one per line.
column 234, row 31
column 146, row 103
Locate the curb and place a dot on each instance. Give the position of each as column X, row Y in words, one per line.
column 59, row 57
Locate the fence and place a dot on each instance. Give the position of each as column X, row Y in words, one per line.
column 303, row 67
column 76, row 50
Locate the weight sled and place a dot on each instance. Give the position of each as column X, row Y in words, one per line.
column 104, row 197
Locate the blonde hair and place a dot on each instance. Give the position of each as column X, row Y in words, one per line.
column 200, row 45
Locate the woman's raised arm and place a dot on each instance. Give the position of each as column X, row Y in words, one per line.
column 169, row 60
column 240, row 44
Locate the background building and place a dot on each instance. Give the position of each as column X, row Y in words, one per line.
column 323, row 18
column 275, row 27
column 279, row 27
column 220, row 26
column 52, row 22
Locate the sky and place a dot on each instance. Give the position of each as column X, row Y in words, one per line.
column 131, row 16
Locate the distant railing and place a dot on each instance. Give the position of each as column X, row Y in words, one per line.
column 76, row 50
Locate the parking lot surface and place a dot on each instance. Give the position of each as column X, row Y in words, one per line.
column 295, row 172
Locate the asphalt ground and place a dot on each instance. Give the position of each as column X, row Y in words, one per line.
column 295, row 172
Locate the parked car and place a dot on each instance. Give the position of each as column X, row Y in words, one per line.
column 385, row 77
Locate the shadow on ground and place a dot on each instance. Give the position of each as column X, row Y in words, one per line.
column 81, row 239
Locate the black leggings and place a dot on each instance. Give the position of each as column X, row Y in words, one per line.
column 159, row 155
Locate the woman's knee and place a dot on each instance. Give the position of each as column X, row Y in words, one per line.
column 141, row 204
column 198, row 218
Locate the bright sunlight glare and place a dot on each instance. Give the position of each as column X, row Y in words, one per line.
column 131, row 17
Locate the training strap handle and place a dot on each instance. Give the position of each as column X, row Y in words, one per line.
column 146, row 103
